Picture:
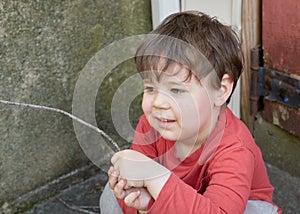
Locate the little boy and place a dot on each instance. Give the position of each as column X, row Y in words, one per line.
column 190, row 154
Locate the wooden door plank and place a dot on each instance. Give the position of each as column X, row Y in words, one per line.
column 251, row 37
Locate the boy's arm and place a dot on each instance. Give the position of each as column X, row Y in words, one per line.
column 228, row 188
column 227, row 191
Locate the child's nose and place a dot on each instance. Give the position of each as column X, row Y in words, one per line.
column 161, row 100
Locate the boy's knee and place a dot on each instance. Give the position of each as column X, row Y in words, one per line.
column 108, row 203
column 260, row 207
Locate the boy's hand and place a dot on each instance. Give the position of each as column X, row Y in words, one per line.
column 139, row 171
column 137, row 198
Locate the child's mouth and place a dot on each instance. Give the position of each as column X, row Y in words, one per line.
column 166, row 120
column 165, row 123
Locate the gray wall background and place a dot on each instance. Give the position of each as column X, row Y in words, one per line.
column 43, row 47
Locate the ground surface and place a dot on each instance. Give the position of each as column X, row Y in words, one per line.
column 84, row 197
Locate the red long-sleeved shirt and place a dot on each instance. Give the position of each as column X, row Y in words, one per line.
column 219, row 177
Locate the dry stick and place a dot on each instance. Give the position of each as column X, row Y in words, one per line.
column 73, row 207
column 116, row 148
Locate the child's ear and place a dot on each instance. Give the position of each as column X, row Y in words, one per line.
column 224, row 91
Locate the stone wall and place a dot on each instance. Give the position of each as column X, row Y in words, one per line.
column 43, row 46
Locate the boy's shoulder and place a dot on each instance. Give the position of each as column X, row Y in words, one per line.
column 237, row 138
column 237, row 134
column 236, row 128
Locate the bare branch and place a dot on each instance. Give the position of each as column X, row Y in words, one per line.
column 106, row 136
column 73, row 207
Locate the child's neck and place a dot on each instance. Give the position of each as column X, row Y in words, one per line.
column 185, row 150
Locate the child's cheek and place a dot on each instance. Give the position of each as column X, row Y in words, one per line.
column 146, row 105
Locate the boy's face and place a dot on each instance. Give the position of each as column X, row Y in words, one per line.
column 178, row 108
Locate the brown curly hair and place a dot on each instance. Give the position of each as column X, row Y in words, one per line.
column 197, row 41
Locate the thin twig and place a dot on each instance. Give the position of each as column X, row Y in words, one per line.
column 76, row 208
column 89, row 207
column 113, row 143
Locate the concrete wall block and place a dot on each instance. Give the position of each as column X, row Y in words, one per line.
column 43, row 47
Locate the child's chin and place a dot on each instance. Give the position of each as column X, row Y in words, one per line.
column 170, row 137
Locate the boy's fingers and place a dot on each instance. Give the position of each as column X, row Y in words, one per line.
column 112, row 183
column 131, row 199
column 110, row 170
column 119, row 189
column 113, row 177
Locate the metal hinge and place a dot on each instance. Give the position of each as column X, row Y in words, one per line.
column 271, row 84
column 256, row 80
column 282, row 88
column 275, row 94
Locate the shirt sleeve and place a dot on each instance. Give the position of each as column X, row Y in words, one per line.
column 229, row 181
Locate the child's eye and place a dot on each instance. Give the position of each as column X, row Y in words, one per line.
column 149, row 89
column 177, row 91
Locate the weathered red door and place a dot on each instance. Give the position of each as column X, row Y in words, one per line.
column 281, row 47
